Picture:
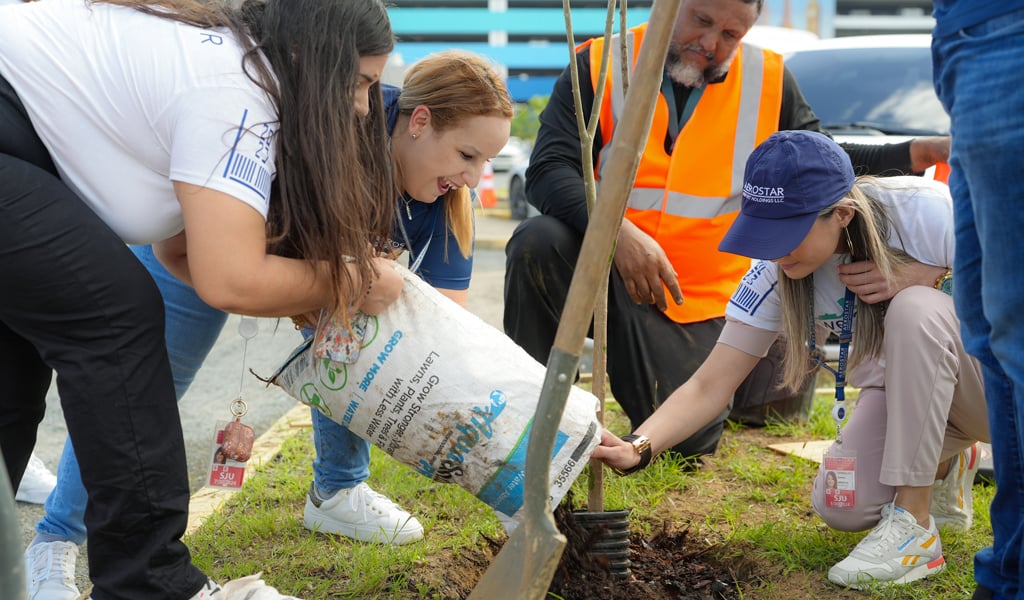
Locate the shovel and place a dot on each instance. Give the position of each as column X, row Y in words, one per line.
column 524, row 567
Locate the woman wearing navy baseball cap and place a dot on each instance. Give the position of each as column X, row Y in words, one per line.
column 868, row 260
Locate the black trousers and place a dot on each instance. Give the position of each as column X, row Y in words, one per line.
column 648, row 354
column 74, row 300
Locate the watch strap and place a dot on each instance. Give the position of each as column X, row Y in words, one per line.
column 642, row 446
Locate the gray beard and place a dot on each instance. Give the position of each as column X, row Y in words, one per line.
column 689, row 75
column 686, row 74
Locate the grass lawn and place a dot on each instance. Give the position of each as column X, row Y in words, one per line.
column 749, row 507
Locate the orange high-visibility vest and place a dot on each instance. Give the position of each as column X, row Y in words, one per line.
column 687, row 200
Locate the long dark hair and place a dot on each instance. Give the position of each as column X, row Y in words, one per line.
column 334, row 190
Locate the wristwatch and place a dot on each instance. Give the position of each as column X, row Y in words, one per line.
column 944, row 283
column 642, row 446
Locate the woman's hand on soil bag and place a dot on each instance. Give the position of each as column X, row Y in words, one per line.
column 615, row 452
column 384, row 289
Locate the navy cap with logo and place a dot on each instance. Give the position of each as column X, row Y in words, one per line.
column 788, row 180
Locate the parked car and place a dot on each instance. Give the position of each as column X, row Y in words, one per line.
column 518, row 206
column 514, row 153
column 865, row 89
column 871, row 89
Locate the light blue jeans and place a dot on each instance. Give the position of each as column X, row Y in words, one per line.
column 979, row 76
column 342, row 459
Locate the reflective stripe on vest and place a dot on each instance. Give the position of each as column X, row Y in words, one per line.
column 688, row 200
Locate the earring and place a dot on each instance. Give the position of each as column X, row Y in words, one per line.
column 414, row 136
column 849, row 240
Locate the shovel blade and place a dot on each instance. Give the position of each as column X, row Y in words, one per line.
column 524, row 567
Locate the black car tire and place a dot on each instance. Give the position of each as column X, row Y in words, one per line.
column 517, row 199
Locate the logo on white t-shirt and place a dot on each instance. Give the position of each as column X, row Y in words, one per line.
column 251, row 171
column 748, row 299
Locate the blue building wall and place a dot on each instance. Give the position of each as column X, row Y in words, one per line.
column 528, row 37
column 529, row 41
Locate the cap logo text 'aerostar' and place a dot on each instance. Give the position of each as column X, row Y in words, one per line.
column 760, row 193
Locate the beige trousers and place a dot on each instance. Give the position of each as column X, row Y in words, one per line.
column 919, row 405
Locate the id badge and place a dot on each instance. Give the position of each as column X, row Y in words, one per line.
column 839, row 467
column 224, row 472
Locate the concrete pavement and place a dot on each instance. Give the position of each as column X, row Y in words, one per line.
column 494, row 227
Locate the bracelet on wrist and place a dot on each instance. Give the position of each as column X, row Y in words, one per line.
column 944, row 282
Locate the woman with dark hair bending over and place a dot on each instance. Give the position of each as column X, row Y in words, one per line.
column 904, row 461
column 248, row 146
column 452, row 116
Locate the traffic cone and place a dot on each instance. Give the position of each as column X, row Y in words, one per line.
column 488, row 197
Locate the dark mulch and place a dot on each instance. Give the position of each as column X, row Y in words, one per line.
column 667, row 565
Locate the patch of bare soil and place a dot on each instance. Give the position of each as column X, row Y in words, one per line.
column 676, row 562
column 667, row 565
column 452, row 576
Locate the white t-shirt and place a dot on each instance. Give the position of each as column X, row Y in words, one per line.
column 921, row 212
column 126, row 103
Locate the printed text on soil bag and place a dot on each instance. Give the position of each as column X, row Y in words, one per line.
column 461, row 439
column 401, row 402
column 378, row 362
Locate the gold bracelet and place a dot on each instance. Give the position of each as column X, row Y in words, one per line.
column 944, row 282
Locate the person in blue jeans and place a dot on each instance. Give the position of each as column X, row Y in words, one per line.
column 146, row 122
column 978, row 58
column 453, row 113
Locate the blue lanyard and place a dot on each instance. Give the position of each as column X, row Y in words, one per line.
column 845, row 336
column 676, row 122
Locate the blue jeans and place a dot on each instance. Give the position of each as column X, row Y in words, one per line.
column 192, row 328
column 979, row 75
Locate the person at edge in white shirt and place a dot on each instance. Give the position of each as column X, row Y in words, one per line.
column 247, row 144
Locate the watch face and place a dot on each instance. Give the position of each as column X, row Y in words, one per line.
column 947, row 285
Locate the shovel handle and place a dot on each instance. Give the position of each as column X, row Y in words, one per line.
column 535, row 547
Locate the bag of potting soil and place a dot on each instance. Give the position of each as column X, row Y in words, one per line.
column 445, row 393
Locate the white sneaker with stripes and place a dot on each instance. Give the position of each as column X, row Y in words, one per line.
column 952, row 497
column 896, row 551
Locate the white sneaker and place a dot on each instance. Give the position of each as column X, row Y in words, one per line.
column 50, row 571
column 245, row 588
column 361, row 514
column 36, row 483
column 897, row 550
column 952, row 497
